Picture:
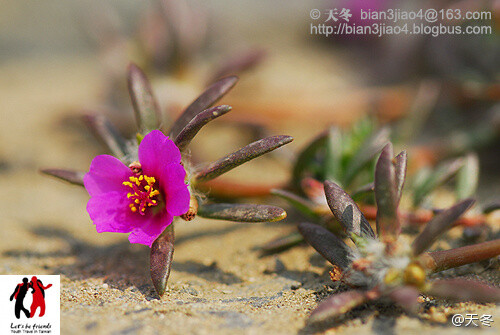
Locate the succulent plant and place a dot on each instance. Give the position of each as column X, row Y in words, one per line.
column 348, row 158
column 382, row 266
column 159, row 181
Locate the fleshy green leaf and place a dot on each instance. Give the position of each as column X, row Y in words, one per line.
column 429, row 181
column 468, row 177
column 333, row 159
column 305, row 157
column 369, row 149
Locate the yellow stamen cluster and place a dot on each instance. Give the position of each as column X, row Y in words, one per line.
column 142, row 193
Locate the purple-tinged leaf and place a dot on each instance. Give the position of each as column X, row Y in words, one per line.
column 331, row 247
column 162, row 252
column 406, row 297
column 346, row 211
column 107, row 133
column 239, row 63
column 147, row 111
column 282, row 243
column 386, row 195
column 337, row 305
column 369, row 149
column 468, row 177
column 305, row 157
column 245, row 154
column 400, row 166
column 303, row 205
column 194, row 126
column 71, row 176
column 439, row 225
column 447, row 259
column 211, row 95
column 242, row 212
column 463, row 290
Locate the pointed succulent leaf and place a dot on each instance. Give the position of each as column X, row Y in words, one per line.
column 452, row 258
column 194, row 126
column 303, row 205
column 464, row 290
column 369, row 149
column 107, row 133
column 306, row 156
column 71, row 176
column 211, row 95
column 346, row 211
column 400, row 165
column 147, row 111
column 439, row 225
column 333, row 159
column 242, row 212
column 282, row 243
column 332, row 248
column 468, row 177
column 161, row 254
column 435, row 179
column 406, row 297
column 386, row 195
column 245, row 154
column 337, row 304
column 239, row 63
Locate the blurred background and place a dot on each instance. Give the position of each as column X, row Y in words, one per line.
column 60, row 59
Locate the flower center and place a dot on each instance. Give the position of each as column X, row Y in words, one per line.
column 143, row 194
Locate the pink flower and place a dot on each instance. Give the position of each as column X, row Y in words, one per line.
column 141, row 199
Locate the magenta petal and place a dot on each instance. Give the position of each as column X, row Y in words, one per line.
column 155, row 151
column 148, row 233
column 175, row 189
column 110, row 213
column 106, row 174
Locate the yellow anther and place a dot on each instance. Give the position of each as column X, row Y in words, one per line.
column 126, row 183
column 150, row 180
column 129, row 195
column 137, row 201
column 141, row 177
column 154, row 193
column 414, row 275
column 147, row 187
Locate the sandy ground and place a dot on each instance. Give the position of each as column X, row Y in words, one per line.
column 218, row 284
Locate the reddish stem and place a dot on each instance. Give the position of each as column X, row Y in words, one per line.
column 447, row 259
